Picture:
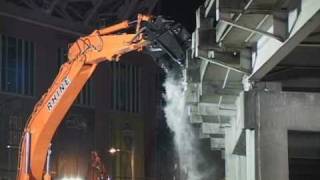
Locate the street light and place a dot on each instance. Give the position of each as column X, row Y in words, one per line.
column 12, row 147
column 113, row 150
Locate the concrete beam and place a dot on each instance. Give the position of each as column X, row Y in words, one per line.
column 281, row 23
column 193, row 70
column 193, row 93
column 252, row 30
column 195, row 119
column 193, row 75
column 203, row 68
column 217, row 143
column 208, row 89
column 208, row 109
column 204, row 36
column 223, row 120
column 230, row 83
column 255, row 10
column 270, row 52
column 199, row 134
column 237, row 60
column 202, row 136
column 211, row 8
column 211, row 128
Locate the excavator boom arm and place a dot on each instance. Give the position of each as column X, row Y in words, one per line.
column 83, row 57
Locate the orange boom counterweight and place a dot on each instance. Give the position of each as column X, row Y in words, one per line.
column 106, row 44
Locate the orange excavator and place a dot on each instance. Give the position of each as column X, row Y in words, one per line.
column 165, row 40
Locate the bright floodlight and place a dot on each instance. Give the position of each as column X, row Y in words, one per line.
column 113, row 150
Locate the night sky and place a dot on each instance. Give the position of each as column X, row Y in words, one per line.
column 182, row 11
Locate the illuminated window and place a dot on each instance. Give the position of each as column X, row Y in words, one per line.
column 17, row 59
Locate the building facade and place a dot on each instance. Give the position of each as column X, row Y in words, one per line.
column 253, row 86
column 116, row 108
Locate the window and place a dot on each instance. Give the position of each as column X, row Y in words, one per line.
column 16, row 125
column 303, row 155
column 86, row 95
column 14, row 128
column 125, row 87
column 17, row 58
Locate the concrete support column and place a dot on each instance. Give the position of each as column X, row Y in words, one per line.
column 250, row 154
column 235, row 164
column 272, row 114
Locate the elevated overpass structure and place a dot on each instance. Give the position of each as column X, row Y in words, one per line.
column 253, row 82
